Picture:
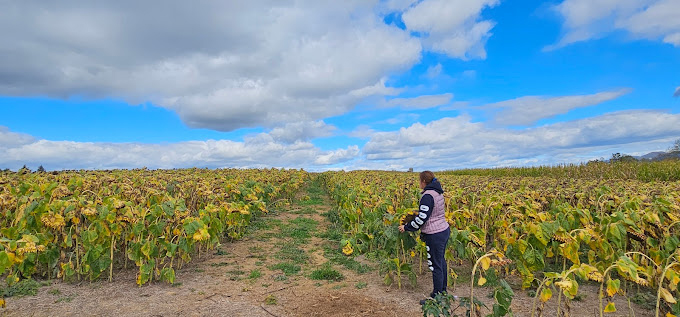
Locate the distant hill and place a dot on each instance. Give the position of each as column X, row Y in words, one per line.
column 659, row 155
column 650, row 156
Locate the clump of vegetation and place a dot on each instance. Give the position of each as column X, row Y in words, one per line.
column 291, row 252
column 255, row 274
column 28, row 287
column 270, row 300
column 287, row 268
column 326, row 272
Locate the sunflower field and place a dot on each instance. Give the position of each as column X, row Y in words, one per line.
column 83, row 224
column 550, row 233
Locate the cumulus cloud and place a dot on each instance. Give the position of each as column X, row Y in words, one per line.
column 451, row 27
column 397, row 5
column 293, row 132
column 527, row 110
column 259, row 150
column 221, row 65
column 420, row 102
column 12, row 139
column 337, row 156
column 644, row 19
column 457, row 142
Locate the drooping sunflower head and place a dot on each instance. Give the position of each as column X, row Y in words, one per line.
column 407, row 218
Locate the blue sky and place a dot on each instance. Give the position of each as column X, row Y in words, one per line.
column 393, row 84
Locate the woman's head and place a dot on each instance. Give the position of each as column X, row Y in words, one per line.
column 426, row 177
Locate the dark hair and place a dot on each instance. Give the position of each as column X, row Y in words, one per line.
column 426, row 177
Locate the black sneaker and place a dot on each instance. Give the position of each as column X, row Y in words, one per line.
column 423, row 301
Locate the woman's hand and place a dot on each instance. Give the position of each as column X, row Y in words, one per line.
column 401, row 228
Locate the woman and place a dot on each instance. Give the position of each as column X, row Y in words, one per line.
column 434, row 229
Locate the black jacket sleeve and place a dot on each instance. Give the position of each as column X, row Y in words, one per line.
column 424, row 212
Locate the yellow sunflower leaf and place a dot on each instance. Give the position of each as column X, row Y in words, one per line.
column 546, row 294
column 481, row 281
column 610, row 308
column 667, row 296
column 347, row 249
column 563, row 284
column 486, row 263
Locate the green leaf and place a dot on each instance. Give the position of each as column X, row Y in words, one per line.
column 534, row 260
column 617, row 234
column 5, row 262
column 168, row 275
column 407, row 240
column 573, row 291
column 145, row 273
column 504, row 295
column 671, row 243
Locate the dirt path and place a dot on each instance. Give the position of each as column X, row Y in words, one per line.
column 287, row 265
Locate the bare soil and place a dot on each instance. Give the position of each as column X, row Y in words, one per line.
column 225, row 283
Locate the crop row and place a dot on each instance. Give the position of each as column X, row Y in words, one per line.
column 551, row 232
column 83, row 224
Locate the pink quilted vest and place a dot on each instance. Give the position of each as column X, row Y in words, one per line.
column 437, row 222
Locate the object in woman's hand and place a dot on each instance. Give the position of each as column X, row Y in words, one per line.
column 408, row 217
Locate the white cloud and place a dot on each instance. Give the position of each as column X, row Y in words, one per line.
column 379, row 89
column 293, row 132
column 456, row 142
column 677, row 92
column 660, row 19
column 219, row 64
column 420, row 102
column 397, row 5
column 452, row 27
column 646, row 19
column 527, row 110
column 337, row 156
column 672, row 39
column 362, row 132
column 12, row 139
column 260, row 150
column 433, row 71
column 226, row 65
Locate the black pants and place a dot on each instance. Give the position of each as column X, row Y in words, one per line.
column 436, row 248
